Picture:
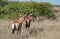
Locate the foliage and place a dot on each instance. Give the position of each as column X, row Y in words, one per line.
column 13, row 9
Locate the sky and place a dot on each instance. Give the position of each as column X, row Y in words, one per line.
column 54, row 2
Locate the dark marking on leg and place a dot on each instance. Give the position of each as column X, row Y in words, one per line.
column 13, row 30
column 19, row 29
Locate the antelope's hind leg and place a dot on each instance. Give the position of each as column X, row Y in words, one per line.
column 19, row 29
column 13, row 28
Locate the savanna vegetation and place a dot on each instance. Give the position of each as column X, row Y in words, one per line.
column 44, row 29
column 12, row 9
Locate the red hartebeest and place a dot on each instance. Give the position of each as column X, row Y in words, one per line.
column 16, row 24
column 28, row 20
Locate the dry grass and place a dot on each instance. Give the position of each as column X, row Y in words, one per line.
column 46, row 29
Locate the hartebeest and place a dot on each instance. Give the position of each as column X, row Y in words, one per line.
column 16, row 24
column 28, row 20
column 23, row 20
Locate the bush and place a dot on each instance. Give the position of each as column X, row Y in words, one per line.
column 13, row 9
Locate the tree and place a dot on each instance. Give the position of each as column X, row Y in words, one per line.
column 13, row 9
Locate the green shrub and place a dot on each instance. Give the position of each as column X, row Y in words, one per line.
column 13, row 9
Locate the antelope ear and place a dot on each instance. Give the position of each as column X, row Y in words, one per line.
column 19, row 14
column 25, row 14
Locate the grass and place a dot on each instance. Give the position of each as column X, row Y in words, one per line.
column 46, row 29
